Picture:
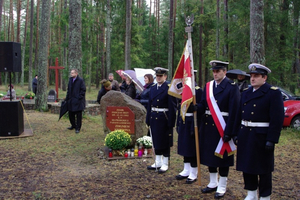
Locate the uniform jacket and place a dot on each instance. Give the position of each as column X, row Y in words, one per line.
column 76, row 94
column 161, row 122
column 227, row 96
column 263, row 105
column 186, row 130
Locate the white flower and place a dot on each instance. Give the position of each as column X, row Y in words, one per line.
column 145, row 140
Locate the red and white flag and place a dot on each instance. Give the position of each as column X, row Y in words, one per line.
column 181, row 84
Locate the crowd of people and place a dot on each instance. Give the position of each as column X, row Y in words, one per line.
column 233, row 117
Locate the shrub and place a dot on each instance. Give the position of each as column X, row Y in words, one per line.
column 117, row 140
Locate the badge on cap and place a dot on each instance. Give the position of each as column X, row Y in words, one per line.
column 160, row 70
column 256, row 68
column 217, row 64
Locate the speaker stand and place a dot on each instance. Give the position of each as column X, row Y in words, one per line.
column 10, row 96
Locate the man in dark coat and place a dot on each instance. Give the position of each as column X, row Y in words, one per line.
column 186, row 141
column 106, row 87
column 161, row 115
column 259, row 122
column 219, row 104
column 34, row 84
column 76, row 100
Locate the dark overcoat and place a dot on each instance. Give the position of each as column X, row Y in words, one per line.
column 161, row 122
column 101, row 93
column 227, row 97
column 263, row 105
column 186, row 130
column 143, row 98
column 76, row 95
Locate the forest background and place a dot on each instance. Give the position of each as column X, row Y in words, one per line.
column 126, row 34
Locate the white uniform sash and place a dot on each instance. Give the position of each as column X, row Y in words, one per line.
column 219, row 121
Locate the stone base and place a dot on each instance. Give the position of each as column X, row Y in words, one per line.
column 91, row 109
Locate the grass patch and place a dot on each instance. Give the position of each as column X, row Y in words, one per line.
column 289, row 136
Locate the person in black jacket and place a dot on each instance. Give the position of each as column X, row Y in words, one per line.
column 34, row 84
column 106, row 86
column 76, row 100
column 130, row 89
column 143, row 98
column 258, row 125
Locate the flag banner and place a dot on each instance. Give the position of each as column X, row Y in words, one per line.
column 220, row 123
column 181, row 84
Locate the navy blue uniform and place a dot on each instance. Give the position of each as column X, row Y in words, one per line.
column 227, row 97
column 263, row 105
column 186, row 130
column 161, row 122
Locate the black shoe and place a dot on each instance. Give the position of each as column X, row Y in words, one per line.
column 208, row 190
column 77, row 131
column 70, row 128
column 179, row 177
column 190, row 181
column 152, row 168
column 161, row 171
column 219, row 195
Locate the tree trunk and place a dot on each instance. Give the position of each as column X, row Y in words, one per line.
column 65, row 60
column 41, row 100
column 257, row 40
column 296, row 38
column 30, row 47
column 200, row 48
column 37, row 34
column 1, row 3
column 225, row 47
column 170, row 49
column 24, row 45
column 18, row 33
column 218, row 31
column 108, row 38
column 75, row 29
column 128, row 35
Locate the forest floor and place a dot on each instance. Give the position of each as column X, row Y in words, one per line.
column 58, row 164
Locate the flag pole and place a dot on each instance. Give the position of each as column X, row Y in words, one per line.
column 189, row 29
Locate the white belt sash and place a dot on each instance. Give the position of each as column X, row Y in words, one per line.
column 220, row 123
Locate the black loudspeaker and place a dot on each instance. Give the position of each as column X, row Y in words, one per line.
column 10, row 57
column 11, row 118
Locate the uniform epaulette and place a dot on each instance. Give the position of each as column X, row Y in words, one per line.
column 197, row 87
column 154, row 84
column 245, row 89
column 274, row 88
column 233, row 83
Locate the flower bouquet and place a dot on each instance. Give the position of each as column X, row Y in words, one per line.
column 29, row 95
column 145, row 141
column 117, row 140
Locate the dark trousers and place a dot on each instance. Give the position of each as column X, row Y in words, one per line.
column 223, row 171
column 192, row 160
column 34, row 90
column 263, row 182
column 78, row 115
column 164, row 152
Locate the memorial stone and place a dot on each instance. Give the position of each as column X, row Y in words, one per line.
column 118, row 99
column 52, row 96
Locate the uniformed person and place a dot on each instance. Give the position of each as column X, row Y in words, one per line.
column 161, row 114
column 260, row 119
column 219, row 106
column 186, row 142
